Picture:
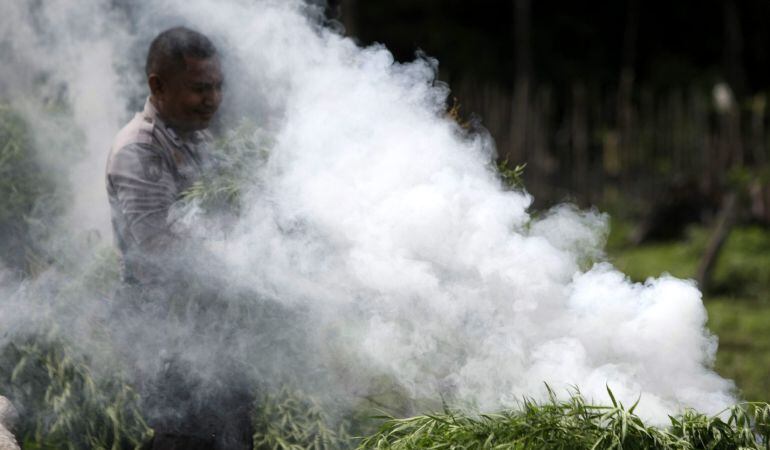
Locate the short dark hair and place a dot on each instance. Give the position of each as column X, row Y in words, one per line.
column 170, row 48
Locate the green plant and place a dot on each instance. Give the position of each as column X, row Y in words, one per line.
column 573, row 424
column 237, row 158
column 513, row 177
column 291, row 420
column 65, row 406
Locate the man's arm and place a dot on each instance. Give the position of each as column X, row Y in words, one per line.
column 144, row 190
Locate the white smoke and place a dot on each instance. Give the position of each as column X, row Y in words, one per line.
column 381, row 223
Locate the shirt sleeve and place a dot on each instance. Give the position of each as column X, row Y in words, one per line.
column 145, row 190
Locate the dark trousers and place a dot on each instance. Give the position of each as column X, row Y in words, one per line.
column 185, row 409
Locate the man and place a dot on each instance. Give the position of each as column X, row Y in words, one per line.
column 162, row 151
column 154, row 158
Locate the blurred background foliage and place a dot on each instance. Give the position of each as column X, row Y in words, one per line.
column 647, row 98
column 654, row 111
column 24, row 191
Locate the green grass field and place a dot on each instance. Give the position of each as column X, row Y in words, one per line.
column 738, row 302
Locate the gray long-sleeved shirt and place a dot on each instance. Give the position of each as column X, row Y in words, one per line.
column 148, row 167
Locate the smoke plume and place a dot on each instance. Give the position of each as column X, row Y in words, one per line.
column 374, row 240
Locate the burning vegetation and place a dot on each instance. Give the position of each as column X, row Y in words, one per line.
column 367, row 279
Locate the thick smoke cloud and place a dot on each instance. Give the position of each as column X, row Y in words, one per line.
column 377, row 225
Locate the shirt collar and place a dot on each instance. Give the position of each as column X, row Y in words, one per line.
column 151, row 115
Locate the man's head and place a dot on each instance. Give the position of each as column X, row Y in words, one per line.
column 185, row 78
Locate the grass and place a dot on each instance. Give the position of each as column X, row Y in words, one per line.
column 743, row 268
column 738, row 303
column 744, row 343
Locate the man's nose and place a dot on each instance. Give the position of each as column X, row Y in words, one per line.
column 213, row 98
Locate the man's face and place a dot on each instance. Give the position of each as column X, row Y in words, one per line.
column 187, row 99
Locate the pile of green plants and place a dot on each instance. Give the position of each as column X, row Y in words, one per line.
column 573, row 425
column 291, row 420
column 66, row 407
column 63, row 405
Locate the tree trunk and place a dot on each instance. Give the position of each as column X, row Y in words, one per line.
column 579, row 137
column 733, row 50
column 521, row 88
column 348, row 16
column 724, row 224
column 627, row 76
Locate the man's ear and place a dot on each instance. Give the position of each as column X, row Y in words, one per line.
column 157, row 87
